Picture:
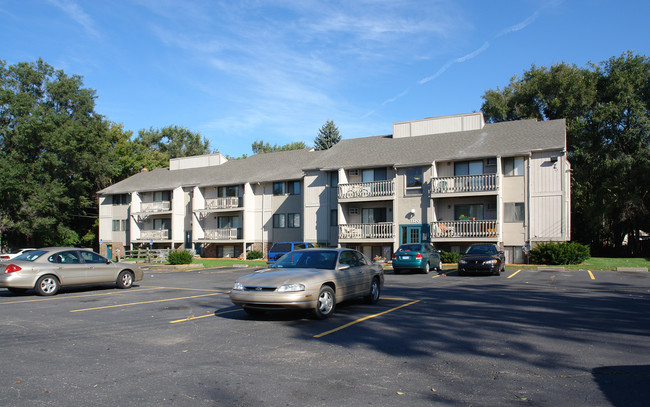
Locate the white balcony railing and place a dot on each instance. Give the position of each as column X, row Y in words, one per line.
column 222, row 203
column 366, row 189
column 158, row 206
column 160, row 234
column 464, row 183
column 464, row 229
column 382, row 230
column 222, row 234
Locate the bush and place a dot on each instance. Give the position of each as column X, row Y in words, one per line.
column 254, row 255
column 559, row 253
column 449, row 257
column 180, row 257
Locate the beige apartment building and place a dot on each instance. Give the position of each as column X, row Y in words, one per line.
column 451, row 181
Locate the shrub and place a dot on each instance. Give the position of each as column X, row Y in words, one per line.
column 559, row 253
column 449, row 257
column 179, row 257
column 254, row 255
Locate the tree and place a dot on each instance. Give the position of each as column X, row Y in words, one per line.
column 53, row 156
column 173, row 142
column 260, row 147
column 328, row 135
column 606, row 107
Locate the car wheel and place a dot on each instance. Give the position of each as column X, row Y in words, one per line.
column 439, row 268
column 427, row 268
column 326, row 302
column 375, row 290
column 396, row 271
column 125, row 279
column 498, row 272
column 461, row 273
column 17, row 291
column 47, row 285
column 253, row 311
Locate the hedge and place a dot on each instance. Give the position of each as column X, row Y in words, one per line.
column 559, row 253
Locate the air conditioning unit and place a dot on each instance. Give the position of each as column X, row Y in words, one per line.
column 353, row 211
column 354, row 173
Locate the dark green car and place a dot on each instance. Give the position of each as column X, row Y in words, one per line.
column 416, row 256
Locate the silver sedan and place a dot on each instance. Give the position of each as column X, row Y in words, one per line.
column 46, row 270
column 310, row 279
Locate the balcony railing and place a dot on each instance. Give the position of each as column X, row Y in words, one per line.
column 367, row 189
column 158, row 206
column 160, row 234
column 464, row 183
column 222, row 203
column 382, row 230
column 222, row 234
column 464, row 229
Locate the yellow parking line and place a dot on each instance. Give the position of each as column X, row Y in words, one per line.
column 514, row 274
column 591, row 275
column 146, row 302
column 204, row 316
column 364, row 319
column 63, row 297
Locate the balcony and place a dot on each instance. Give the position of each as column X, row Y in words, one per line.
column 374, row 189
column 483, row 184
column 159, row 234
column 365, row 231
column 228, row 202
column 153, row 207
column 222, row 234
column 464, row 229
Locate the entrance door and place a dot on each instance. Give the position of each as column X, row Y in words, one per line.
column 411, row 234
column 188, row 239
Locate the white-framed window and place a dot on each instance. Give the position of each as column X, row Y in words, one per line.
column 279, row 220
column 514, row 212
column 116, row 226
column 278, row 188
column 513, row 166
column 293, row 220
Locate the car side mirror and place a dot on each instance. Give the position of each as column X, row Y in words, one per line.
column 501, row 252
column 344, row 267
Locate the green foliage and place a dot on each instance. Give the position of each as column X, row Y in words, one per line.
column 254, row 255
column 260, row 147
column 449, row 257
column 606, row 110
column 559, row 253
column 328, row 135
column 180, row 257
column 171, row 142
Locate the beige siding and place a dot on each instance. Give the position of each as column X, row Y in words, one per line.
column 548, row 214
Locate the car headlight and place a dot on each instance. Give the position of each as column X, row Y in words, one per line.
column 462, row 262
column 291, row 287
column 488, row 262
column 238, row 286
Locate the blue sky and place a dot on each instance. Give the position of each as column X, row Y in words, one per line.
column 240, row 71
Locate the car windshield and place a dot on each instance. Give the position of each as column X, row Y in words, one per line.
column 481, row 250
column 313, row 259
column 281, row 247
column 30, row 255
column 410, row 248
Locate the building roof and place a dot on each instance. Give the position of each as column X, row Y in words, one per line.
column 497, row 139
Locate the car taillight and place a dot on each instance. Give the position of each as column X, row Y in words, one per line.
column 12, row 268
column 418, row 256
column 4, row 256
column 394, row 256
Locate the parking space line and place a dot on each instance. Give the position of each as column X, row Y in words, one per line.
column 63, row 297
column 364, row 319
column 514, row 274
column 214, row 314
column 591, row 275
column 147, row 302
column 189, row 289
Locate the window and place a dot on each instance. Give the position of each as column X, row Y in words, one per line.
column 376, row 174
column 278, row 188
column 228, row 222
column 334, row 217
column 90, row 257
column 293, row 220
column 294, row 187
column 125, row 225
column 279, row 220
column 514, row 212
column 162, row 224
column 468, row 168
column 414, row 178
column 334, row 179
column 513, row 166
column 348, row 257
column 224, row 192
column 116, row 226
column 373, row 215
column 160, row 196
column 468, row 212
column 121, row 199
column 353, row 211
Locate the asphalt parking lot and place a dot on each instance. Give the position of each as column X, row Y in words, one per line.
column 525, row 338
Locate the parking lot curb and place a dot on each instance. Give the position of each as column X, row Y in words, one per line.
column 548, row 268
column 631, row 269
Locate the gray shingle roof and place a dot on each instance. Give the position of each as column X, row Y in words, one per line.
column 498, row 139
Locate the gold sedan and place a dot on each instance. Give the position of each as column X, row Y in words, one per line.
column 310, row 279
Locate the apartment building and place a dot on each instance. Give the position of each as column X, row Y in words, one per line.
column 451, row 181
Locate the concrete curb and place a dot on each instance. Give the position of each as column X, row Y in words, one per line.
column 549, row 268
column 631, row 269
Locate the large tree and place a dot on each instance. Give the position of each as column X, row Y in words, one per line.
column 260, row 147
column 172, row 142
column 328, row 135
column 607, row 108
column 53, row 156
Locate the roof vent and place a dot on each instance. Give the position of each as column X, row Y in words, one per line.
column 439, row 125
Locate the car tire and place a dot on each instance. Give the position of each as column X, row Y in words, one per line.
column 427, row 268
column 396, row 271
column 125, row 279
column 375, row 291
column 47, row 285
column 461, row 273
column 325, row 303
column 17, row 291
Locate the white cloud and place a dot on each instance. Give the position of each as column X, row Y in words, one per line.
column 75, row 12
column 467, row 57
